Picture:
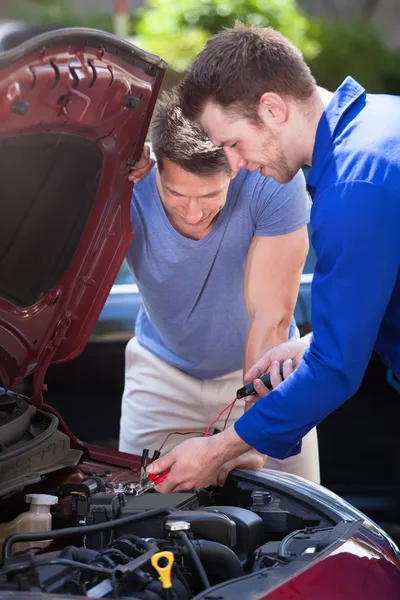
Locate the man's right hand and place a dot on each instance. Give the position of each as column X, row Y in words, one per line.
column 289, row 353
column 142, row 167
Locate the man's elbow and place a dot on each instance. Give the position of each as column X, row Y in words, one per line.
column 274, row 325
column 302, row 247
column 338, row 375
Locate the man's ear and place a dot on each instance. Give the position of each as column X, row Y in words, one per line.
column 273, row 108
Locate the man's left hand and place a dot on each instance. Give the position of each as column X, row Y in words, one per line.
column 249, row 460
column 142, row 167
column 196, row 463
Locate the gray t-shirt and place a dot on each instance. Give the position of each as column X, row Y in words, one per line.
column 193, row 314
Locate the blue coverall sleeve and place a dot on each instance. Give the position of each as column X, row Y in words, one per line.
column 357, row 242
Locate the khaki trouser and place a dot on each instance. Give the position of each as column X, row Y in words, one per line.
column 159, row 399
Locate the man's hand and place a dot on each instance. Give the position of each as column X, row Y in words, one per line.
column 196, row 463
column 289, row 353
column 249, row 460
column 143, row 166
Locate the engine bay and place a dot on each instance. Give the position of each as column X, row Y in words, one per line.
column 103, row 539
column 71, row 522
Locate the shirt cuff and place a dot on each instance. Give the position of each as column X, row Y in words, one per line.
column 249, row 429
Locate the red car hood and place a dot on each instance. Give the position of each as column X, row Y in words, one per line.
column 75, row 106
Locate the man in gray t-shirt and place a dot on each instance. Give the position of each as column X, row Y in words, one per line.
column 217, row 260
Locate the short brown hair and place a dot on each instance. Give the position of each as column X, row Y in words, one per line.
column 174, row 137
column 237, row 66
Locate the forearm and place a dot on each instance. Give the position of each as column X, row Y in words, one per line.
column 271, row 284
column 227, row 445
column 275, row 425
column 263, row 335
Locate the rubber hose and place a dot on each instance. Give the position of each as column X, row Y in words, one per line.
column 195, row 559
column 86, row 529
column 219, row 560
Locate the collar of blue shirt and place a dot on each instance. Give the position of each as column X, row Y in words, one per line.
column 348, row 93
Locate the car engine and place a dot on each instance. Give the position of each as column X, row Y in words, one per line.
column 87, row 533
column 103, row 539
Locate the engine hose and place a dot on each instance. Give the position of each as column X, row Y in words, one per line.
column 132, row 541
column 195, row 559
column 220, row 561
column 83, row 530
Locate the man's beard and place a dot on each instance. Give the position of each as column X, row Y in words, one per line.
column 279, row 166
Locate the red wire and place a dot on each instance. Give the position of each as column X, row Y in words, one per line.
column 230, row 405
column 178, row 433
column 229, row 414
column 207, row 431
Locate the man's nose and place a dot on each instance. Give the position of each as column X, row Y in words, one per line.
column 236, row 161
column 193, row 213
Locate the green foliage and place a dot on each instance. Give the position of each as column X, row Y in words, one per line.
column 391, row 73
column 45, row 2
column 43, row 11
column 178, row 31
column 60, row 13
column 348, row 48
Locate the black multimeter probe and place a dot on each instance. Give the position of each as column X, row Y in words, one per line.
column 248, row 389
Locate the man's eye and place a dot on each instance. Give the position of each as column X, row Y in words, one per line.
column 233, row 145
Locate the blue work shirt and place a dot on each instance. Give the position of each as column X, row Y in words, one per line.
column 355, row 186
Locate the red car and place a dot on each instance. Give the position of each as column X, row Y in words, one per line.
column 75, row 106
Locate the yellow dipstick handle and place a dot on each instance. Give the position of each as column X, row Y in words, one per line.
column 163, row 572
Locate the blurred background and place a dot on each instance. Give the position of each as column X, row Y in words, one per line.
column 359, row 450
column 337, row 37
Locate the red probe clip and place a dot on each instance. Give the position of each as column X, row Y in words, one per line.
column 149, row 481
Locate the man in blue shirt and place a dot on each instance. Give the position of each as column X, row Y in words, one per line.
column 217, row 260
column 255, row 96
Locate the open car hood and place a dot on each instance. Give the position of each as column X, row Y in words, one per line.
column 75, row 105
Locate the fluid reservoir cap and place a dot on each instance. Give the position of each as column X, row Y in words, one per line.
column 43, row 499
column 177, row 525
